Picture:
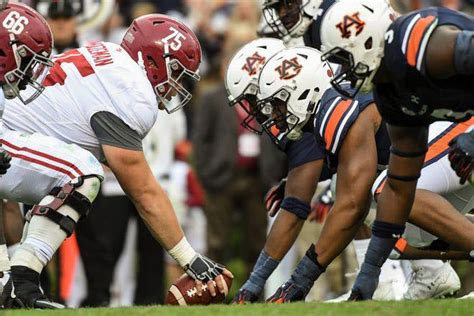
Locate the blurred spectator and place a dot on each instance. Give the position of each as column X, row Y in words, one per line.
column 62, row 20
column 234, row 167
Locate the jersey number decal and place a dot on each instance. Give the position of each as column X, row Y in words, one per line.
column 58, row 76
column 174, row 39
column 15, row 22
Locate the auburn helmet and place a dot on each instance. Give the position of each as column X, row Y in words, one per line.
column 353, row 35
column 169, row 52
column 241, row 78
column 26, row 43
column 290, row 88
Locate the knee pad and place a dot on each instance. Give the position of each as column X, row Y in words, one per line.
column 77, row 194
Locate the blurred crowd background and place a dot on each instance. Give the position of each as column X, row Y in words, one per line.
column 215, row 172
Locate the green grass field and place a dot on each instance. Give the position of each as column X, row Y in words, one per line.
column 447, row 307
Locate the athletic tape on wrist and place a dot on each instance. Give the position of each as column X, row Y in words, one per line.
column 183, row 253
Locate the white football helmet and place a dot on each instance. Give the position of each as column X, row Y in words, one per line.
column 290, row 18
column 291, row 85
column 353, row 34
column 241, row 79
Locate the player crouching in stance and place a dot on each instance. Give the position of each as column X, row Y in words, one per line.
column 420, row 67
column 293, row 85
column 98, row 102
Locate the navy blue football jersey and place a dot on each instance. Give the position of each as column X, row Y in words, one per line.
column 412, row 98
column 304, row 150
column 312, row 37
column 335, row 116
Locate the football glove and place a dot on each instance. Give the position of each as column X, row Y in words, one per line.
column 460, row 155
column 274, row 197
column 322, row 206
column 5, row 159
column 203, row 269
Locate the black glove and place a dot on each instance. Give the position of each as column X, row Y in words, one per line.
column 203, row 269
column 5, row 159
column 460, row 155
column 274, row 197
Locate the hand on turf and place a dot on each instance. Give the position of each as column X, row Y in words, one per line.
column 274, row 197
column 461, row 152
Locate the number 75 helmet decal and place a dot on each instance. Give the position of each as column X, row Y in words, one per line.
column 169, row 52
column 26, row 42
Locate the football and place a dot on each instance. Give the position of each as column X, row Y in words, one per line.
column 183, row 292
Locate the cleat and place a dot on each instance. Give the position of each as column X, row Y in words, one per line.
column 23, row 291
column 244, row 297
column 428, row 282
column 356, row 295
column 469, row 296
column 287, row 293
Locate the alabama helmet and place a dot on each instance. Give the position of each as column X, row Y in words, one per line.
column 26, row 43
column 169, row 52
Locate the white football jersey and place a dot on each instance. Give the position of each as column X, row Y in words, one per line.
column 94, row 78
column 2, row 102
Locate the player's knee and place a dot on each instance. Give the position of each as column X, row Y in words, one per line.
column 67, row 205
column 88, row 186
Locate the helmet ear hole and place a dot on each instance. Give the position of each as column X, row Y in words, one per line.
column 368, row 43
column 303, row 95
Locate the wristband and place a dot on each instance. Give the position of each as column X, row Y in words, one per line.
column 183, row 253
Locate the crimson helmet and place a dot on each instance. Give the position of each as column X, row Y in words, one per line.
column 169, row 52
column 26, row 42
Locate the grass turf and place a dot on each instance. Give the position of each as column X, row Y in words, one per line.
column 447, row 307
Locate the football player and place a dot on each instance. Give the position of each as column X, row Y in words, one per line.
column 20, row 56
column 342, row 126
column 420, row 67
column 286, row 18
column 240, row 84
column 98, row 102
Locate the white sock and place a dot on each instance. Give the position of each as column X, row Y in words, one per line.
column 4, row 259
column 42, row 239
column 360, row 247
column 12, row 248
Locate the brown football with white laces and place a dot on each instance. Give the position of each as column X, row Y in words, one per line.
column 183, row 292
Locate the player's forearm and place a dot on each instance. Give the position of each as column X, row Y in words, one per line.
column 282, row 236
column 340, row 228
column 158, row 214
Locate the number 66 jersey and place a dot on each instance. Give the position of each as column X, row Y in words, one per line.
column 101, row 77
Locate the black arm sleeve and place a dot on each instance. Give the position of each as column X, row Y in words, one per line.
column 111, row 130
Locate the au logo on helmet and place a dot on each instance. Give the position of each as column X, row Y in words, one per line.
column 348, row 22
column 289, row 68
column 252, row 63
